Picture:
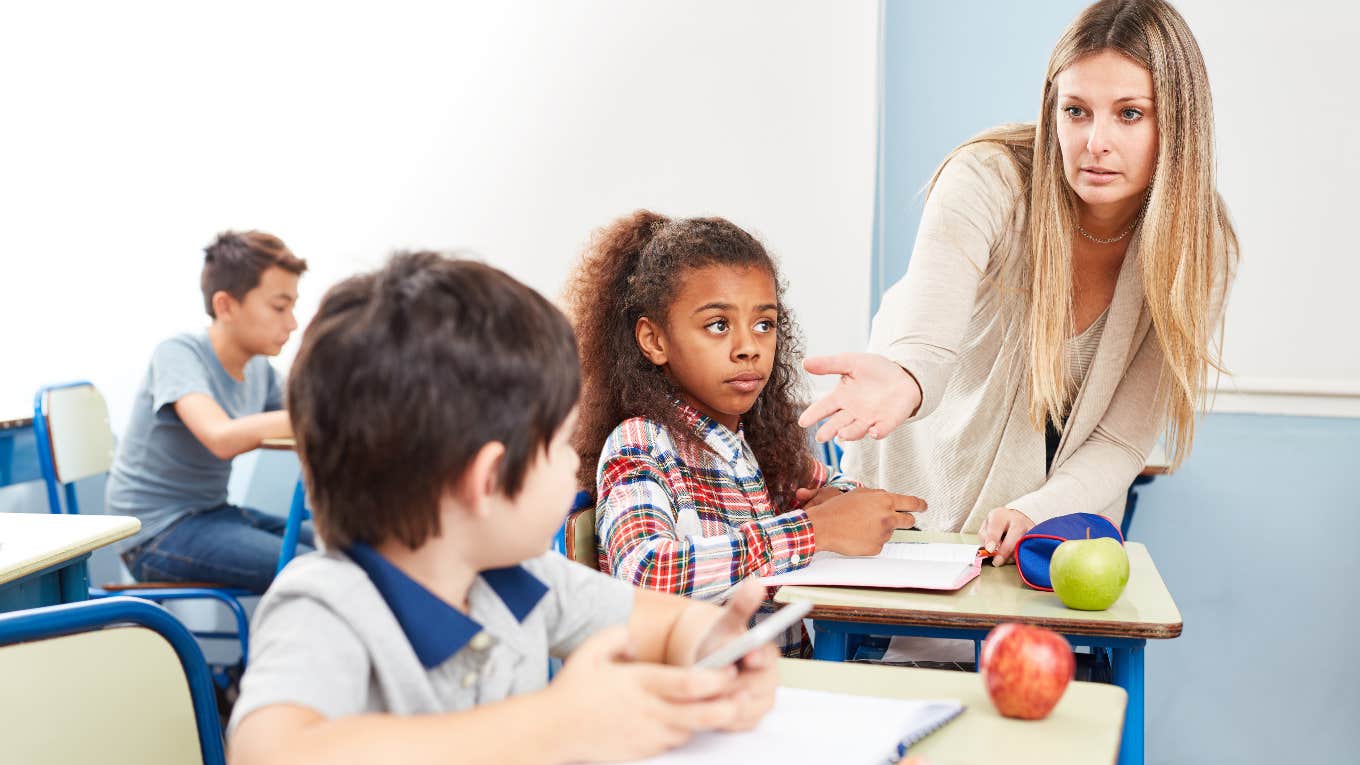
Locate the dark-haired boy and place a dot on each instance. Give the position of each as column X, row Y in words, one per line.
column 207, row 397
column 433, row 402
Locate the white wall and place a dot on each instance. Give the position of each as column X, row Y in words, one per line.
column 135, row 131
column 1288, row 130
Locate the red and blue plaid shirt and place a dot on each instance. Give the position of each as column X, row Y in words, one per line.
column 675, row 516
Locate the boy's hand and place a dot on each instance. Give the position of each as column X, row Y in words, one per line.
column 758, row 671
column 860, row 521
column 616, row 709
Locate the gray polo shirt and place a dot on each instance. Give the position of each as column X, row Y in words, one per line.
column 348, row 634
column 163, row 471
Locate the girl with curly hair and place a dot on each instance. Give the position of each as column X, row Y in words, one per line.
column 689, row 416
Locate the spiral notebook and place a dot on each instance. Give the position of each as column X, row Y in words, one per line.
column 817, row 726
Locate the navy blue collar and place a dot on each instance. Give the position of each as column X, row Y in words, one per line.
column 435, row 629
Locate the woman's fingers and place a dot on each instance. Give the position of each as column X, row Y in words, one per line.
column 1014, row 530
column 991, row 531
column 835, row 364
column 854, row 431
column 831, row 427
column 820, row 409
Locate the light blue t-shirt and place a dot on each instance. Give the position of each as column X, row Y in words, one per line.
column 162, row 471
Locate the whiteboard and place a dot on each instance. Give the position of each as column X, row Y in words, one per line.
column 1287, row 113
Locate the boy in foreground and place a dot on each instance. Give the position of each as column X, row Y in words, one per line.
column 433, row 403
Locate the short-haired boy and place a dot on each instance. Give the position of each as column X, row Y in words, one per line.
column 433, row 403
column 207, row 397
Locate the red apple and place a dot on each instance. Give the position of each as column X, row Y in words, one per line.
column 1026, row 669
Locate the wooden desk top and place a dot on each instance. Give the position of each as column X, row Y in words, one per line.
column 1145, row 610
column 279, row 444
column 1084, row 727
column 1158, row 463
column 31, row 542
column 10, row 421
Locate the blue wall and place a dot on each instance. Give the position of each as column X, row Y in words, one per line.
column 1254, row 535
column 950, row 70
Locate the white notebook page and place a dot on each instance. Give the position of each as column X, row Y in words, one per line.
column 929, row 565
column 819, row 727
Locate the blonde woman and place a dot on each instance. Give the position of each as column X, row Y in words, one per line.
column 1062, row 304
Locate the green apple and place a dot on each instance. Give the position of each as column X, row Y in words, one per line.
column 1089, row 574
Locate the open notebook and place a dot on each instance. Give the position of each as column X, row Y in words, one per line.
column 915, row 565
column 816, row 726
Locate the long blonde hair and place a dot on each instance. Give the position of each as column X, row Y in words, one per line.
column 1187, row 243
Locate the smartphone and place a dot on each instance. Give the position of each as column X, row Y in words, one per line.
column 767, row 630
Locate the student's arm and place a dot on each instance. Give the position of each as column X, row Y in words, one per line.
column 680, row 631
column 306, row 694
column 224, row 436
column 635, row 520
column 650, row 709
column 823, row 485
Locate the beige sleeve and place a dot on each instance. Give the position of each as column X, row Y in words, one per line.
column 922, row 319
column 1099, row 472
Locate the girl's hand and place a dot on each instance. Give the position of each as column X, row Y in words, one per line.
column 1002, row 530
column 861, row 521
column 873, row 397
column 813, row 497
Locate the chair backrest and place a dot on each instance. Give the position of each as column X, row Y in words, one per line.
column 580, row 537
column 114, row 681
column 75, row 440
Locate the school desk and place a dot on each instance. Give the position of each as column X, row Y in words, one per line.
column 18, row 450
column 1083, row 728
column 43, row 557
column 1144, row 612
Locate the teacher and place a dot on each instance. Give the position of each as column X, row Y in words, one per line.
column 1063, row 295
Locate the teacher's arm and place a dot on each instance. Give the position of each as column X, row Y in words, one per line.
column 1100, row 470
column 919, row 329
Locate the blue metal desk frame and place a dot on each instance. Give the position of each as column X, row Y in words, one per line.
column 65, row 582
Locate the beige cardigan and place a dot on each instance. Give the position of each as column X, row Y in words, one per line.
column 953, row 321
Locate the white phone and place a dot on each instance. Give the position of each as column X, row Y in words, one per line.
column 751, row 639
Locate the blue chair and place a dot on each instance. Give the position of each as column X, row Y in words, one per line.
column 297, row 513
column 563, row 539
column 75, row 441
column 115, row 681
column 831, row 454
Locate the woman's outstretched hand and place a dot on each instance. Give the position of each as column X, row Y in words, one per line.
column 874, row 396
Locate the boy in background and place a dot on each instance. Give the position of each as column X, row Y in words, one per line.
column 207, row 397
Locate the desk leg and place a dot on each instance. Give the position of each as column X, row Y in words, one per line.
column 75, row 580
column 828, row 645
column 1128, row 674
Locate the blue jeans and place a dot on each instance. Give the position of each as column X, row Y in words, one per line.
column 226, row 545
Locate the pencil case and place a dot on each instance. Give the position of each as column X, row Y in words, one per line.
column 1035, row 549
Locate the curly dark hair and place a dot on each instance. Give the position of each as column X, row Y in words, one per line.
column 633, row 268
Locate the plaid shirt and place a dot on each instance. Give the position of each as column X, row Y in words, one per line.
column 681, row 518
